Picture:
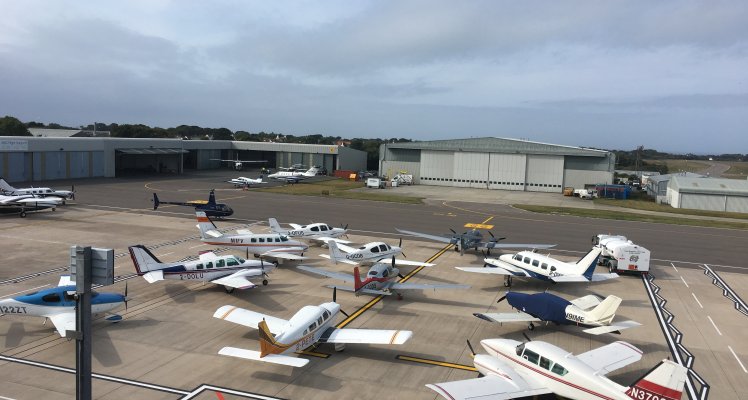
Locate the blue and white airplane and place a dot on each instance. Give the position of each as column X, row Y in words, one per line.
column 58, row 304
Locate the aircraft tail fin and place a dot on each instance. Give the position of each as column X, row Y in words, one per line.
column 604, row 312
column 311, row 171
column 665, row 381
column 357, row 283
column 586, row 266
column 275, row 226
column 335, row 253
column 144, row 260
column 155, row 201
column 205, row 225
column 5, row 186
column 268, row 344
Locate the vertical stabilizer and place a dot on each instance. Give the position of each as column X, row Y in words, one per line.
column 5, row 186
column 212, row 198
column 275, row 226
column 155, row 201
column 665, row 381
column 357, row 283
column 144, row 260
column 335, row 253
column 586, row 266
column 206, row 226
column 268, row 344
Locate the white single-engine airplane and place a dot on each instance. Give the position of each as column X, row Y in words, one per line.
column 229, row 271
column 58, row 304
column 294, row 176
column 271, row 245
column 514, row 369
column 381, row 279
column 528, row 264
column 63, row 195
column 243, row 181
column 370, row 253
column 315, row 231
column 309, row 326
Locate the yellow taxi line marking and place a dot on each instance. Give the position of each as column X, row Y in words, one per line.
column 478, row 226
column 313, row 354
column 435, row 362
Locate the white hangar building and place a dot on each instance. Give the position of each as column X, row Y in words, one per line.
column 713, row 194
column 497, row 163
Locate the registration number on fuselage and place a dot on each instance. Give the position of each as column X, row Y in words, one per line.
column 190, row 276
column 13, row 309
column 305, row 342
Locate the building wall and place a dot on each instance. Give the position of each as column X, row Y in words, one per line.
column 713, row 202
column 351, row 159
column 436, row 168
column 507, row 171
column 578, row 178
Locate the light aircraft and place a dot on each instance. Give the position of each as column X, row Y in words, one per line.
column 315, row 231
column 270, row 245
column 239, row 164
column 9, row 190
column 369, row 253
column 528, row 264
column 245, row 182
column 473, row 239
column 58, row 304
column 381, row 279
column 229, row 271
column 210, row 207
column 309, row 326
column 587, row 311
column 21, row 204
column 513, row 369
column 294, row 176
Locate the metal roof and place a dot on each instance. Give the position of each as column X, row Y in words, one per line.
column 152, row 151
column 709, row 185
column 667, row 177
column 500, row 145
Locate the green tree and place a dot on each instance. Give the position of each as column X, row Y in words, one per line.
column 10, row 126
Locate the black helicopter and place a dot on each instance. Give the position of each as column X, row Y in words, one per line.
column 210, row 207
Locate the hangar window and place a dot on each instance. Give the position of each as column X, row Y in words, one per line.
column 526, row 260
column 544, row 265
column 535, row 263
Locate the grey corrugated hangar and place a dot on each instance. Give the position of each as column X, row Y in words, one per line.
column 713, row 194
column 497, row 163
column 25, row 159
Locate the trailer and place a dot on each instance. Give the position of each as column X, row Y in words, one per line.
column 621, row 255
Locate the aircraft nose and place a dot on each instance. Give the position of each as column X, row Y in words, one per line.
column 494, row 346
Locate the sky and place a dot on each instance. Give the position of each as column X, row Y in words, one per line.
column 668, row 75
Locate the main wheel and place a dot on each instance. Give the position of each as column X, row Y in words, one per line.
column 264, row 282
column 228, row 289
column 531, row 326
column 23, row 214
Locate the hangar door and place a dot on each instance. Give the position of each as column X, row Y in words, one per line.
column 737, row 204
column 437, row 168
column 544, row 173
column 712, row 202
column 507, row 171
column 471, row 169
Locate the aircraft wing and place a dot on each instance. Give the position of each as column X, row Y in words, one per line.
column 507, row 317
column 442, row 239
column 612, row 328
column 603, row 277
column 154, row 276
column 346, row 249
column 330, row 274
column 250, row 318
column 407, row 263
column 425, row 286
column 569, row 278
column 366, row 291
column 491, row 270
column 488, row 387
column 372, row 336
column 285, row 256
column 611, row 357
column 517, row 245
column 326, row 239
column 238, row 279
column 63, row 321
column 327, row 256
column 271, row 358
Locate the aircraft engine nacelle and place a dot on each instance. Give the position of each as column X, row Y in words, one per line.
column 488, row 365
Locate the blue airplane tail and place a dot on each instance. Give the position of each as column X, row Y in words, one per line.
column 589, row 263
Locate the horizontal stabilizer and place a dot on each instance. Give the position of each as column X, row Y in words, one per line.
column 66, row 280
column 270, row 358
column 603, row 277
column 586, row 303
column 427, row 286
column 250, row 318
column 372, row 336
column 154, row 276
column 569, row 278
column 326, row 239
column 507, row 317
column 407, row 263
column 618, row 326
column 244, row 231
column 365, row 291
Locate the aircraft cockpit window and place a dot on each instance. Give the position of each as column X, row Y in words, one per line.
column 199, row 266
column 315, row 229
column 278, row 239
column 284, row 239
column 518, row 257
column 312, row 326
column 241, row 260
column 545, row 363
column 531, row 356
column 535, row 263
column 526, row 260
column 372, row 273
column 544, row 265
column 386, row 246
column 385, row 273
column 326, row 314
column 520, row 348
column 68, row 296
column 375, row 249
column 320, row 320
column 232, row 261
column 323, row 228
column 559, row 370
column 51, row 298
column 220, row 263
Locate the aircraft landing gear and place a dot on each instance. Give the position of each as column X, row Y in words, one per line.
column 264, row 282
column 507, row 281
column 228, row 289
column 531, row 326
column 23, row 214
column 457, row 248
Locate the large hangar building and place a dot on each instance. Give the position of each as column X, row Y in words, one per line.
column 497, row 163
column 25, row 159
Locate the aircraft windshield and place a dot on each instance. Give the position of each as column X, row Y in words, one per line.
column 284, row 238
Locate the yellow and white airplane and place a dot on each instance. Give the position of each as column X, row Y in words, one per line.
column 268, row 245
column 310, row 325
column 513, row 369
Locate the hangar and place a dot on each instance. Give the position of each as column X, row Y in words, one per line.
column 713, row 194
column 24, row 159
column 497, row 163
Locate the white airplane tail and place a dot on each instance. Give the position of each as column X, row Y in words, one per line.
column 275, row 226
column 665, row 381
column 604, row 312
column 311, row 172
column 207, row 228
column 144, row 260
column 586, row 266
column 5, row 186
column 335, row 253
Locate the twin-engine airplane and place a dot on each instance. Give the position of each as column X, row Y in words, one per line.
column 369, row 253
column 210, row 207
column 229, row 271
column 243, row 181
column 309, row 326
column 315, row 231
column 21, row 204
column 294, row 176
column 270, row 245
column 587, row 311
column 381, row 279
column 512, row 369
column 473, row 239
column 63, row 195
column 58, row 304
column 528, row 264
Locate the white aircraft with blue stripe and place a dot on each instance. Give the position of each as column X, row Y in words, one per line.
column 58, row 305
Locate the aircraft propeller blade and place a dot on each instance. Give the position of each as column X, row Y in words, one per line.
column 72, row 192
column 335, row 298
column 491, row 233
column 400, row 276
column 247, row 257
column 393, row 261
column 470, row 346
column 526, row 337
column 453, row 231
column 501, row 299
column 125, row 297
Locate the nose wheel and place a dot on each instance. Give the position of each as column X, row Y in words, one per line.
column 507, row 281
column 531, row 326
column 264, row 282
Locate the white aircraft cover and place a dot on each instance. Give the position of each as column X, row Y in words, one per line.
column 250, row 318
column 238, row 279
column 372, row 336
column 63, row 322
column 487, row 388
column 611, row 357
column 271, row 358
column 508, row 317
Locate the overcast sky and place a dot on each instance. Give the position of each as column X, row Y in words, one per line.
column 669, row 75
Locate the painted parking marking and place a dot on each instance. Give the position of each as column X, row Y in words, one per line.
column 435, row 362
column 684, row 282
column 313, row 353
column 673, row 265
column 478, row 226
column 697, row 300
column 736, row 357
column 714, row 325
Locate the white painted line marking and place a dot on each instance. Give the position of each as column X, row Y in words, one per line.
column 714, row 325
column 736, row 357
column 165, row 254
column 684, row 282
column 697, row 300
column 673, row 265
column 23, row 291
column 10, row 398
column 199, row 245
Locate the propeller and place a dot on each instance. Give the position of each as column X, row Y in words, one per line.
column 400, row 245
column 335, row 298
column 345, row 230
column 501, row 299
column 72, row 192
column 470, row 346
column 125, row 297
column 526, row 337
